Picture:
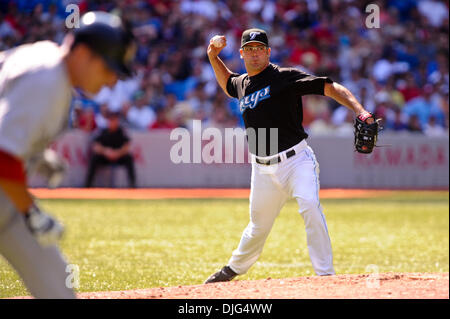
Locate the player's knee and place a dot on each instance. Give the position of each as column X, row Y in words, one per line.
column 308, row 205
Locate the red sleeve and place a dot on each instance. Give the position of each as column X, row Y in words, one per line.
column 11, row 168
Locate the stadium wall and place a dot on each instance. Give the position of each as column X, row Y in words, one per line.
column 403, row 161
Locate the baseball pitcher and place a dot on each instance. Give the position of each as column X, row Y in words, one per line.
column 36, row 82
column 270, row 97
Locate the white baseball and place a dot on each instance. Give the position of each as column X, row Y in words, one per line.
column 217, row 41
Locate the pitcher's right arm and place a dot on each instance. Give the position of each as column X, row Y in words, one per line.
column 220, row 69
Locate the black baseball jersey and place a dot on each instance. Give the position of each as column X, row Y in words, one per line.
column 273, row 99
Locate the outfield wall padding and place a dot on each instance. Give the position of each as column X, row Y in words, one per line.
column 403, row 161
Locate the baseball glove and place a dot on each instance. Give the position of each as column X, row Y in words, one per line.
column 365, row 134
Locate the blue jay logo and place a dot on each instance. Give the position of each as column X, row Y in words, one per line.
column 253, row 35
column 252, row 100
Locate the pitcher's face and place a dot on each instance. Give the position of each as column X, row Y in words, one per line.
column 256, row 57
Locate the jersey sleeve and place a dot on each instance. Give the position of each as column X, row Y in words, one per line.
column 304, row 83
column 232, row 85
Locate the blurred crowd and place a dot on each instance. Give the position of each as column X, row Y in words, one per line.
column 398, row 71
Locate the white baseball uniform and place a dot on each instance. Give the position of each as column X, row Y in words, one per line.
column 289, row 169
column 35, row 95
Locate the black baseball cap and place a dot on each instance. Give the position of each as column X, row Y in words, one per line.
column 254, row 35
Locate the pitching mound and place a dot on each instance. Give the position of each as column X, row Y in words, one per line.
column 363, row 286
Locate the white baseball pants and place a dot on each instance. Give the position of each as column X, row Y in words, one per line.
column 42, row 269
column 271, row 186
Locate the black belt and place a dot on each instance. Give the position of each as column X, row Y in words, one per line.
column 274, row 160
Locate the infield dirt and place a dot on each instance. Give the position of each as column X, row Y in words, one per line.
column 363, row 286
column 359, row 286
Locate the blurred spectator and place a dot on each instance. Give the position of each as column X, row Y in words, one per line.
column 182, row 114
column 6, row 32
column 51, row 17
column 163, row 120
column 385, row 67
column 339, row 115
column 435, row 11
column 395, row 95
column 220, row 118
column 101, row 118
column 321, row 125
column 86, row 121
column 83, row 114
column 433, row 129
column 404, row 7
column 300, row 17
column 409, row 88
column 445, row 108
column 424, row 107
column 328, row 37
column 346, row 128
column 408, row 53
column 140, row 115
column 115, row 97
column 314, row 106
column 384, row 106
column 366, row 98
column 305, row 53
column 397, row 123
column 200, row 103
column 111, row 146
column 414, row 124
column 76, row 113
column 439, row 76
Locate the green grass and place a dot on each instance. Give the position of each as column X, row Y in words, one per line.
column 130, row 244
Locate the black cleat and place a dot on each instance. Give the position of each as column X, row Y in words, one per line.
column 225, row 274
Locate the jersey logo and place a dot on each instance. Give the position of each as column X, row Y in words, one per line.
column 253, row 35
column 252, row 100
